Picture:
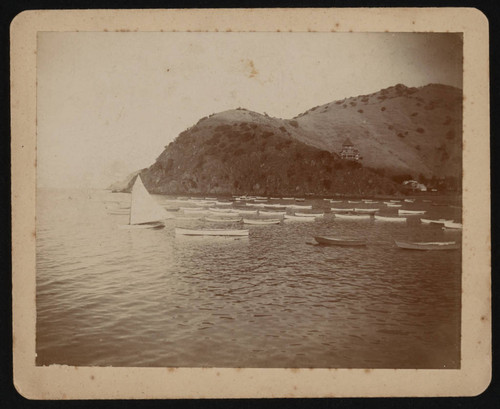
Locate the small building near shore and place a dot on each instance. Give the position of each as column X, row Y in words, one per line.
column 414, row 185
column 349, row 152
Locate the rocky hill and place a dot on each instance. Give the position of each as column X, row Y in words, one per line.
column 398, row 130
column 408, row 130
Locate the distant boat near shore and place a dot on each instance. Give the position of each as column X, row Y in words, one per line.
column 337, row 241
column 210, row 232
column 448, row 245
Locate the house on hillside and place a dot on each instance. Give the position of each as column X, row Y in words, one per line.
column 414, row 185
column 349, row 152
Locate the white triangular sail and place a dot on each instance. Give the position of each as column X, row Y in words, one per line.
column 143, row 208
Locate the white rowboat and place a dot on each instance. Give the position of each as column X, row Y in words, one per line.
column 411, row 212
column 261, row 221
column 390, row 219
column 298, row 218
column 210, row 232
column 352, row 216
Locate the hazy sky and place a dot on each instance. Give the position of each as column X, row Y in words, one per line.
column 108, row 103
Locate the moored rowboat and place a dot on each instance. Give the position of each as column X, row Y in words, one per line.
column 440, row 222
column 411, row 212
column 261, row 221
column 334, row 209
column 309, row 214
column 266, row 213
column 452, row 225
column 352, row 216
column 300, row 207
column 223, row 220
column 435, row 245
column 390, row 219
column 361, row 210
column 339, row 241
column 298, row 218
column 210, row 232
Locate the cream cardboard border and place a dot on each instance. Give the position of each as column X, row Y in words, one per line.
column 65, row 382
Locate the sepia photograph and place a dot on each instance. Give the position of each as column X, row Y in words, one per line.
column 249, row 199
column 203, row 201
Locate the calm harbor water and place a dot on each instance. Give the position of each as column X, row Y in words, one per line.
column 113, row 297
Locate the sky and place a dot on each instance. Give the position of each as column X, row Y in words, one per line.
column 108, row 103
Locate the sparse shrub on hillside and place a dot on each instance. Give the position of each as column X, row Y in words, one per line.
column 390, row 127
column 344, row 106
column 266, row 134
column 339, row 102
column 353, row 103
column 400, row 178
column 282, row 129
column 401, row 135
column 253, row 126
column 365, row 99
column 360, row 111
column 383, row 109
column 417, row 147
column 420, row 130
column 414, row 114
column 295, row 124
column 381, row 97
column 419, row 104
column 411, row 90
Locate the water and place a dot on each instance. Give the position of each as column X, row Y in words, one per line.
column 112, row 297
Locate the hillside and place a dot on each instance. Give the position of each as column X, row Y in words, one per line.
column 398, row 131
column 408, row 130
column 240, row 151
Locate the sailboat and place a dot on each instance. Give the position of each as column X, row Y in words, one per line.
column 145, row 213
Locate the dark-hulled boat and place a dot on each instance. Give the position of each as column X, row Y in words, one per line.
column 338, row 241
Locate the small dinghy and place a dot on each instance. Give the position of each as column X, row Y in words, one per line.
column 240, row 211
column 222, row 214
column 452, row 226
column 261, row 222
column 145, row 212
column 411, row 212
column 439, row 222
column 309, row 214
column 431, row 245
column 337, row 210
column 354, row 201
column 274, row 214
column 335, row 201
column 352, row 216
column 289, row 217
column 361, row 210
column 300, row 207
column 198, row 212
column 337, row 241
column 210, row 232
column 389, row 204
column 223, row 219
column 118, row 212
column 390, row 219
column 409, row 200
